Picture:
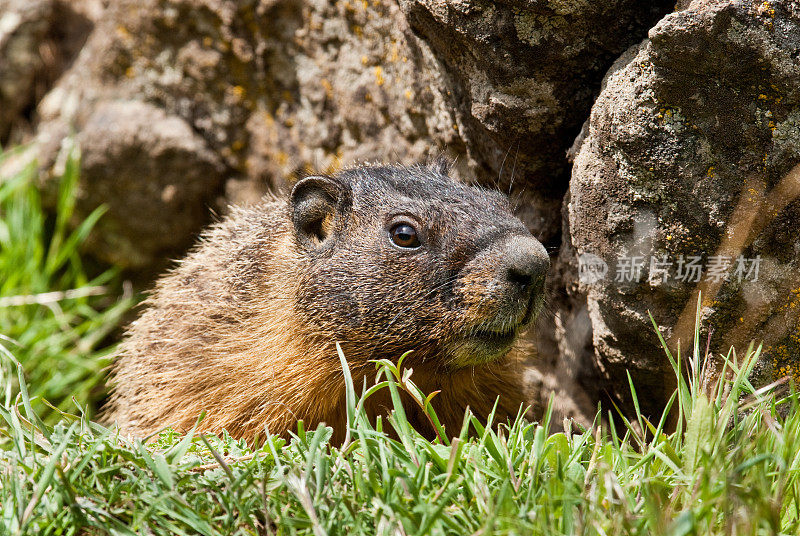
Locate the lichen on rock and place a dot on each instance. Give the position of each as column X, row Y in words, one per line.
column 689, row 155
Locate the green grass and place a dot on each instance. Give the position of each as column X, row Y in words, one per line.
column 730, row 464
column 53, row 317
column 730, row 468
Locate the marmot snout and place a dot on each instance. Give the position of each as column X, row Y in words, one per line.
column 381, row 259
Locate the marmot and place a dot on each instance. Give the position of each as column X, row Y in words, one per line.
column 382, row 259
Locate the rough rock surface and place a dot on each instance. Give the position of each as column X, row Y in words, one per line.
column 691, row 152
column 272, row 88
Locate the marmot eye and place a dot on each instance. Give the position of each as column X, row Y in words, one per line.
column 403, row 235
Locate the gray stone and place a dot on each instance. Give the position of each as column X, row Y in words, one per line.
column 691, row 151
column 23, row 26
column 38, row 41
column 155, row 176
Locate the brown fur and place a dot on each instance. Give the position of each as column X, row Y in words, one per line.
column 245, row 327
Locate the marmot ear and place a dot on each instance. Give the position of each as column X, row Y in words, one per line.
column 316, row 203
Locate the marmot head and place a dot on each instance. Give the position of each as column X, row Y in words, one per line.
column 406, row 258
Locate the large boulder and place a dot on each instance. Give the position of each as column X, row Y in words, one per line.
column 153, row 173
column 688, row 183
column 272, row 88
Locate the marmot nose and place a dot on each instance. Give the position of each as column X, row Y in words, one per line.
column 526, row 262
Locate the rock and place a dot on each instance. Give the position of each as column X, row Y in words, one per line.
column 691, row 155
column 277, row 87
column 23, row 25
column 154, row 175
column 38, row 40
